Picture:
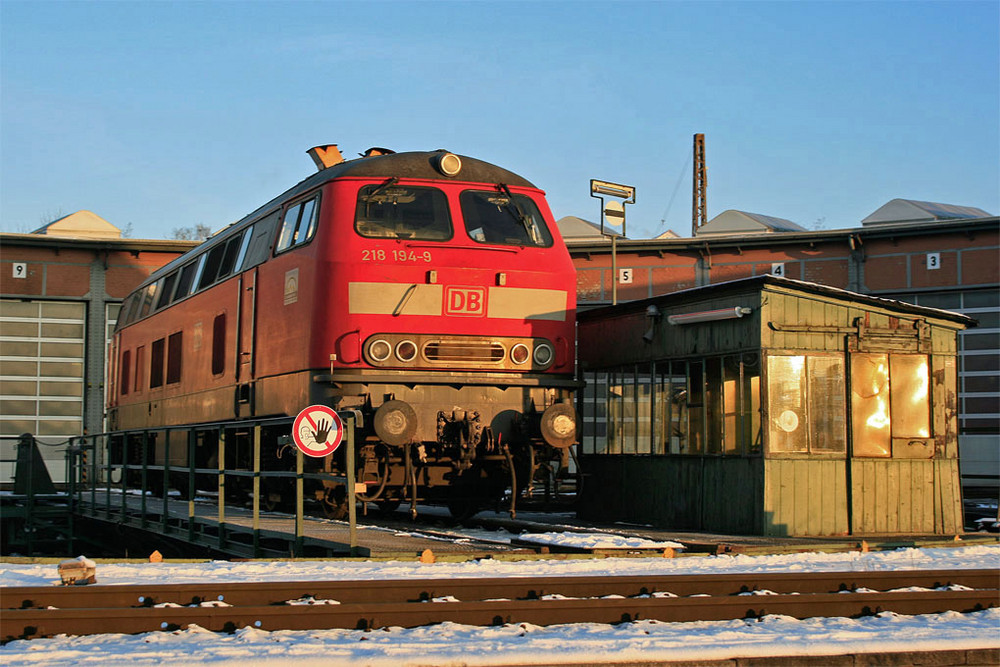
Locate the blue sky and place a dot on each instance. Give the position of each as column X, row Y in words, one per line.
column 171, row 114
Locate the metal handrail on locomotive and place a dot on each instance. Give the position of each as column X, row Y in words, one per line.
column 430, row 292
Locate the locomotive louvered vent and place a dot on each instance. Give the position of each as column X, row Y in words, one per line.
column 478, row 351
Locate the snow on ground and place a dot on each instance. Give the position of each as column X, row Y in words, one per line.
column 13, row 574
column 453, row 644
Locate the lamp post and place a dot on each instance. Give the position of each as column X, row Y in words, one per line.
column 614, row 212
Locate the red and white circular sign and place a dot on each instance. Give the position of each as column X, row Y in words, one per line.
column 317, row 431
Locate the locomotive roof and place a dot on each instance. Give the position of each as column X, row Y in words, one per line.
column 414, row 164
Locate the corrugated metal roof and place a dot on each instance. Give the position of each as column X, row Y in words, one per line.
column 572, row 227
column 912, row 210
column 733, row 221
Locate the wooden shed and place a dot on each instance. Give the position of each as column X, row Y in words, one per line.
column 771, row 406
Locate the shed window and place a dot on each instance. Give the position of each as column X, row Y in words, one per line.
column 698, row 407
column 806, row 404
column 890, row 398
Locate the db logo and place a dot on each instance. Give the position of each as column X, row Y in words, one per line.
column 468, row 301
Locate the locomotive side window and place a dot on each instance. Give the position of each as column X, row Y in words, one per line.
column 260, row 241
column 129, row 310
column 156, row 358
column 184, row 281
column 229, row 256
column 219, row 344
column 241, row 255
column 390, row 211
column 495, row 217
column 175, row 348
column 140, row 359
column 126, row 371
column 213, row 260
column 147, row 299
column 168, row 287
column 299, row 224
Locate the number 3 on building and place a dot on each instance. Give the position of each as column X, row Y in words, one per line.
column 933, row 260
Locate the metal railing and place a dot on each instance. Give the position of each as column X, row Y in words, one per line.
column 105, row 469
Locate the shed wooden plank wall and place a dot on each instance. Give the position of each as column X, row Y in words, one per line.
column 685, row 493
column 805, row 497
column 906, row 496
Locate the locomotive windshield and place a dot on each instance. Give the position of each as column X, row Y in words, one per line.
column 390, row 211
column 499, row 217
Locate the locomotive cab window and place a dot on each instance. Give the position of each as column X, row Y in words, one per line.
column 299, row 224
column 390, row 211
column 501, row 218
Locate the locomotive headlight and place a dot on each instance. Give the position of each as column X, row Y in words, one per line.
column 519, row 354
column 379, row 350
column 406, row 350
column 543, row 354
column 448, row 164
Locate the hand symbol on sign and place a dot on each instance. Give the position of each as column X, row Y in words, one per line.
column 322, row 430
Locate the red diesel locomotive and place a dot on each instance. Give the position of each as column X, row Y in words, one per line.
column 428, row 291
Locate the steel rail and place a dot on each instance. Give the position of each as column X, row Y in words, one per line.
column 268, row 609
column 469, row 589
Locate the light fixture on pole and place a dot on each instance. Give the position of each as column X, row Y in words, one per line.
column 614, row 212
column 710, row 315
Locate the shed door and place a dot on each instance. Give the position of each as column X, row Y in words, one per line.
column 246, row 345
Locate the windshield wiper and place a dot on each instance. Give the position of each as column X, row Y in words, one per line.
column 515, row 210
column 374, row 193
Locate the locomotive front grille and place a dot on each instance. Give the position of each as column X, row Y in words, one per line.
column 442, row 352
column 468, row 351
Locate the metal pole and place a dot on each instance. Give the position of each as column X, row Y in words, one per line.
column 614, row 270
column 298, row 502
column 352, row 510
column 165, row 516
column 145, row 477
column 256, row 490
column 222, row 487
column 192, row 441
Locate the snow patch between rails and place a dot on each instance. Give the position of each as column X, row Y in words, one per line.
column 595, row 541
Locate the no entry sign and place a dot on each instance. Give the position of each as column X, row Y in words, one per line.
column 317, row 431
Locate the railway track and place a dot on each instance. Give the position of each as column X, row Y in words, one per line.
column 31, row 612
